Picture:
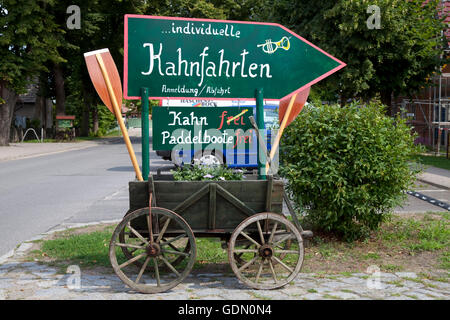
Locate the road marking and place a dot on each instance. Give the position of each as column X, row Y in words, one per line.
column 433, row 201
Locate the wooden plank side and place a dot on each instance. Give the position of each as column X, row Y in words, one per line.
column 244, row 190
column 228, row 216
column 197, row 214
column 212, row 206
column 269, row 190
column 192, row 199
column 138, row 193
column 277, row 191
column 277, row 196
column 247, row 198
column 241, row 206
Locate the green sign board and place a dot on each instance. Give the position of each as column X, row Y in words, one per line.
column 65, row 123
column 196, row 126
column 217, row 59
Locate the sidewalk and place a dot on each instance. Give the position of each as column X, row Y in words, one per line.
column 28, row 150
column 436, row 177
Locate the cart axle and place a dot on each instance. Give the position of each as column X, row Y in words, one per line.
column 153, row 250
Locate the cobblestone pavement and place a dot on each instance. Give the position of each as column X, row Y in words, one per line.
column 31, row 280
column 36, row 281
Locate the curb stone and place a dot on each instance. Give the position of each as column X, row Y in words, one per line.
column 434, row 184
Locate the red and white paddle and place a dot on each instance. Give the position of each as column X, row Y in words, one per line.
column 106, row 80
column 289, row 109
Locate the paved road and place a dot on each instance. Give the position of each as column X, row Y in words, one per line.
column 39, row 193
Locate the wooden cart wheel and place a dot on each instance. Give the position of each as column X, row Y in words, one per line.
column 266, row 263
column 181, row 242
column 158, row 248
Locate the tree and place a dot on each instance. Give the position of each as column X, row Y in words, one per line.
column 35, row 40
column 103, row 26
column 395, row 59
column 26, row 43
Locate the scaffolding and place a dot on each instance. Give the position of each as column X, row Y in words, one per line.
column 429, row 113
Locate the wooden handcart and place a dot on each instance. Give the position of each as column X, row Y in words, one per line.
column 153, row 248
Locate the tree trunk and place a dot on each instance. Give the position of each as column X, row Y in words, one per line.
column 343, row 100
column 6, row 113
column 94, row 120
column 59, row 89
column 85, row 115
column 48, row 114
column 39, row 110
column 85, row 120
column 386, row 99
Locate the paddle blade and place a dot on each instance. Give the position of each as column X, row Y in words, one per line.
column 299, row 102
column 97, row 78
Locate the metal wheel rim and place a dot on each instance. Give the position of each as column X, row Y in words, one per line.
column 274, row 264
column 207, row 158
column 147, row 287
column 176, row 159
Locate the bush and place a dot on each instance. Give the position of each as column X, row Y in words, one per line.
column 106, row 120
column 349, row 164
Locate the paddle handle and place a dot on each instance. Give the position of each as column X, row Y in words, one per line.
column 119, row 117
column 274, row 147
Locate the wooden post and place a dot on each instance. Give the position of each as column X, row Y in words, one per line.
column 260, row 123
column 145, row 133
column 119, row 117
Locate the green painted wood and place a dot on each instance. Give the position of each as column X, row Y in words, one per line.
column 193, row 200
column 199, row 127
column 138, row 194
column 259, row 93
column 212, row 205
column 245, row 189
column 269, row 191
column 235, row 201
column 151, row 189
column 181, row 196
column 182, row 57
column 145, row 133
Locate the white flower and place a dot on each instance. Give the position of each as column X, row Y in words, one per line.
column 208, row 176
column 222, row 178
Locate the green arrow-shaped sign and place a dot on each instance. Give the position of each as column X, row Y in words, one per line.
column 180, row 57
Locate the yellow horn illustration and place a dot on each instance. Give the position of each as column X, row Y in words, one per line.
column 270, row 47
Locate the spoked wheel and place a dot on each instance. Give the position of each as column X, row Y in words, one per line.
column 180, row 242
column 157, row 258
column 266, row 251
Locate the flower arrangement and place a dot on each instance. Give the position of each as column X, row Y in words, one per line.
column 203, row 173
